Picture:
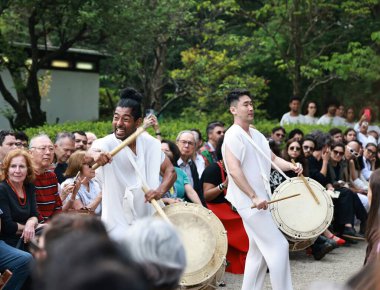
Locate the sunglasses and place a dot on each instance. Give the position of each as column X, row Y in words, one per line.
column 294, row 148
column 338, row 153
column 219, row 132
column 371, row 152
column 308, row 148
column 280, row 135
column 353, row 152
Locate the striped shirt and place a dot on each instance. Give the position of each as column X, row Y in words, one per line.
column 47, row 196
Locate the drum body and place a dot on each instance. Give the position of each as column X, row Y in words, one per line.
column 300, row 218
column 205, row 243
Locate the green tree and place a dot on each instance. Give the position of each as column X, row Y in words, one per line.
column 28, row 29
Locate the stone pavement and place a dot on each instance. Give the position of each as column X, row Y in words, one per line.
column 337, row 266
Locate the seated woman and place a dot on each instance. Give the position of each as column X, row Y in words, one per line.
column 17, row 199
column 88, row 195
column 181, row 190
column 214, row 181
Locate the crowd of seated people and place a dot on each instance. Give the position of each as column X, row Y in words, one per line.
column 41, row 179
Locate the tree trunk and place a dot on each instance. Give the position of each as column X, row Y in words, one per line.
column 297, row 46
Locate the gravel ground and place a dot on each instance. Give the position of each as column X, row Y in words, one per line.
column 337, row 266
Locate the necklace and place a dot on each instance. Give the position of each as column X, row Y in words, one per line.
column 20, row 201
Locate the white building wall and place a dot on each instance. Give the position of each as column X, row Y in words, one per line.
column 73, row 96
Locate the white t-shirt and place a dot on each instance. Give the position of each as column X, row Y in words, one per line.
column 123, row 200
column 255, row 167
column 287, row 119
column 309, row 120
column 334, row 121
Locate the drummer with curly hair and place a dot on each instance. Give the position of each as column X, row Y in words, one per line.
column 248, row 160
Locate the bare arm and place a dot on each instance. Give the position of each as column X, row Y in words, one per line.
column 286, row 165
column 241, row 181
column 192, row 194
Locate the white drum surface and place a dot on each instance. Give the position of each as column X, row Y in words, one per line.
column 301, row 217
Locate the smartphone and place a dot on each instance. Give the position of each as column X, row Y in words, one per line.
column 367, row 113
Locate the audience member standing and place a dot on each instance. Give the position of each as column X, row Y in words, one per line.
column 293, row 116
column 214, row 131
column 7, row 143
column 310, row 118
column 329, row 118
column 80, row 139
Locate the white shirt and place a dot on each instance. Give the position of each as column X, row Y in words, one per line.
column 367, row 170
column 309, row 120
column 334, row 121
column 123, row 199
column 200, row 164
column 287, row 119
column 255, row 167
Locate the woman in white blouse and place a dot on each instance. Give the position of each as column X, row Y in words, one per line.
column 310, row 118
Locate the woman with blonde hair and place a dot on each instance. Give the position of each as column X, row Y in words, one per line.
column 85, row 192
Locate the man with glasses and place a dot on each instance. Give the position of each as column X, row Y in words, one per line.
column 22, row 140
column 369, row 159
column 214, row 131
column 308, row 145
column 278, row 135
column 186, row 145
column 46, row 182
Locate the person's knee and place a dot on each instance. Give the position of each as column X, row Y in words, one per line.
column 24, row 260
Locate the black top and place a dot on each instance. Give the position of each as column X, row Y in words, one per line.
column 14, row 213
column 213, row 175
column 315, row 167
column 59, row 170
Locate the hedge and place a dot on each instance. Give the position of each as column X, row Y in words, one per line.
column 169, row 127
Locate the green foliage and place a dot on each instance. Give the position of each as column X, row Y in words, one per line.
column 169, row 127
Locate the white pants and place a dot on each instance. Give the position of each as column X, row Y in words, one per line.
column 267, row 248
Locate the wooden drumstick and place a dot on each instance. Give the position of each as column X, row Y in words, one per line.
column 279, row 199
column 123, row 144
column 307, row 185
column 117, row 149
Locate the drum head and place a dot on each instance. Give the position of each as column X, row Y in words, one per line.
column 204, row 239
column 301, row 217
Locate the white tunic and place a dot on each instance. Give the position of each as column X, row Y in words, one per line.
column 123, row 199
column 288, row 119
column 255, row 167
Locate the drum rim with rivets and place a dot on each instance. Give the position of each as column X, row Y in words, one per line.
column 203, row 220
column 293, row 214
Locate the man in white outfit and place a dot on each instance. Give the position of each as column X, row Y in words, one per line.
column 123, row 198
column 248, row 166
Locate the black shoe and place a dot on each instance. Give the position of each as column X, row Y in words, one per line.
column 319, row 251
column 363, row 226
column 350, row 233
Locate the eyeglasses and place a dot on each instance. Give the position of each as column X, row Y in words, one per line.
column 280, row 135
column 44, row 148
column 338, row 153
column 89, row 165
column 294, row 148
column 371, row 152
column 184, row 142
column 353, row 152
column 308, row 148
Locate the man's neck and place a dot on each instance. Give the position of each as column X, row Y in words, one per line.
column 39, row 170
column 242, row 124
column 212, row 143
column 293, row 114
column 185, row 159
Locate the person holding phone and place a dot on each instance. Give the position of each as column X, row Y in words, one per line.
column 363, row 127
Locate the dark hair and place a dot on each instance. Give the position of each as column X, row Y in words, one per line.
column 294, row 132
column 307, row 106
column 277, row 128
column 175, row 151
column 274, row 147
column 334, row 131
column 348, row 130
column 235, row 95
column 131, row 98
column 373, row 221
column 301, row 158
column 218, row 148
column 5, row 133
column 95, row 263
column 212, row 125
column 308, row 138
column 20, row 135
column 338, row 144
column 82, row 133
column 294, row 98
column 63, row 135
column 321, row 139
column 371, row 144
column 331, row 103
